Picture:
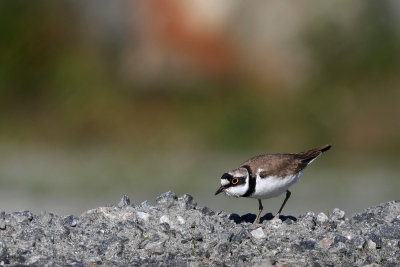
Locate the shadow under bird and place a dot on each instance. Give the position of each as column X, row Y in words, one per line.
column 269, row 175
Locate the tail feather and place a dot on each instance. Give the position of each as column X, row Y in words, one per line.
column 311, row 154
column 324, row 148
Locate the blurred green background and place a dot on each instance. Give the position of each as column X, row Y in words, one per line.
column 104, row 98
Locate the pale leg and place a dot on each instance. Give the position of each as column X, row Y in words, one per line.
column 260, row 209
column 283, row 204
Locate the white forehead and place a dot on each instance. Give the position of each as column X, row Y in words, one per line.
column 238, row 172
column 224, row 182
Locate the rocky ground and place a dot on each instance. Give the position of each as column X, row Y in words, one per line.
column 178, row 232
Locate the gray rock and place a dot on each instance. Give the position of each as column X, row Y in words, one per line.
column 165, row 227
column 143, row 216
column 225, row 236
column 167, row 199
column 125, row 201
column 258, row 233
column 340, row 247
column 358, row 242
column 309, row 220
column 176, row 232
column 307, row 245
column 223, row 248
column 187, row 202
column 2, row 225
column 322, row 218
column 338, row 214
column 339, row 238
column 374, row 237
column 390, row 231
column 238, row 238
column 70, row 221
column 22, row 216
column 207, row 211
column 145, row 204
column 371, row 245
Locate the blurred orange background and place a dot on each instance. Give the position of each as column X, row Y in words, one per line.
column 104, row 98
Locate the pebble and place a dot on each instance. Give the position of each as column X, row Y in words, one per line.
column 180, row 219
column 22, row 216
column 167, row 199
column 322, row 218
column 325, row 242
column 258, row 233
column 2, row 225
column 165, row 219
column 187, row 202
column 143, row 216
column 371, row 245
column 339, row 238
column 307, row 245
column 390, row 231
column 338, row 214
column 373, row 236
column 125, row 201
column 358, row 242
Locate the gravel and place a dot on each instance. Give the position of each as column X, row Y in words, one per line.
column 178, row 232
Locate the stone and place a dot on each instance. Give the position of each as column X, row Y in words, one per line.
column 338, row 214
column 187, row 202
column 165, row 227
column 238, row 238
column 341, row 247
column 207, row 211
column 309, row 220
column 339, row 238
column 258, row 233
column 322, row 218
column 180, row 219
column 167, row 199
column 22, row 216
column 307, row 245
column 374, row 236
column 144, row 216
column 223, row 248
column 358, row 242
column 390, row 231
column 371, row 245
column 198, row 237
column 325, row 243
column 70, row 221
column 226, row 236
column 145, row 204
column 165, row 219
column 125, row 201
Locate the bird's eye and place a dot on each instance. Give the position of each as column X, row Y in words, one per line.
column 235, row 180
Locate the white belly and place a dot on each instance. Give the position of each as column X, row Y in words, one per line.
column 273, row 186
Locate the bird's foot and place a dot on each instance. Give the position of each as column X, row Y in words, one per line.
column 276, row 217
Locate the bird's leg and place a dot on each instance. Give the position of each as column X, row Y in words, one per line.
column 288, row 193
column 260, row 209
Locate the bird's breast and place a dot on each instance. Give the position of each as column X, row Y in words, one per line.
column 273, row 186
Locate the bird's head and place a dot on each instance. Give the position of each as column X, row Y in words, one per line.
column 235, row 183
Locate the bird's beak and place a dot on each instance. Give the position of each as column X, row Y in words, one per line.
column 221, row 189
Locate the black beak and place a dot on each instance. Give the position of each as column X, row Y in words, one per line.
column 221, row 189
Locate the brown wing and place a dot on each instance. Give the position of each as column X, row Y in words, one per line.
column 282, row 165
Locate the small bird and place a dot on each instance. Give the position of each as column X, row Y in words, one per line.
column 269, row 175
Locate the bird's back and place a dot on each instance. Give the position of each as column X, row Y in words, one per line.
column 282, row 165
